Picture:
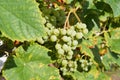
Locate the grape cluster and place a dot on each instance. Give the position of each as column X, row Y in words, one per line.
column 66, row 41
column 85, row 64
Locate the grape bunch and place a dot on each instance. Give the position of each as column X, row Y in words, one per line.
column 65, row 42
column 85, row 64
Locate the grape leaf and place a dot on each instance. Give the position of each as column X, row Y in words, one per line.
column 31, row 65
column 113, row 41
column 77, row 75
column 115, row 6
column 85, row 49
column 110, row 58
column 21, row 20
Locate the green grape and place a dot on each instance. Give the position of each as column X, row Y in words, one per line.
column 43, row 20
column 58, row 46
column 82, row 65
column 66, row 47
column 78, row 26
column 49, row 25
column 63, row 69
column 66, row 39
column 74, row 42
column 48, row 31
column 71, row 69
column 81, row 60
column 69, row 56
column 63, row 31
column 73, row 47
column 64, row 63
column 69, row 43
column 45, row 38
column 72, row 28
column 70, row 52
column 85, row 68
column 70, row 64
column 69, row 32
column 53, row 38
column 85, row 31
column 56, row 32
column 40, row 40
column 73, row 33
column 79, row 35
column 60, row 51
column 81, row 26
column 75, row 64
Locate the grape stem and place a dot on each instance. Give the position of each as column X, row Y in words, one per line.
column 67, row 20
column 73, row 10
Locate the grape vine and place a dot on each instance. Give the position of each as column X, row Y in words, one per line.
column 70, row 39
column 68, row 32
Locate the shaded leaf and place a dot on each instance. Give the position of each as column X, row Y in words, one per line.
column 115, row 6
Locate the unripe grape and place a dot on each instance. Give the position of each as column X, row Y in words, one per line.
column 69, row 56
column 63, row 31
column 56, row 32
column 73, row 33
column 40, row 40
column 72, row 28
column 65, row 38
column 75, row 64
column 71, row 69
column 70, row 52
column 90, row 63
column 79, row 35
column 69, row 43
column 63, row 69
column 49, row 25
column 70, row 64
column 82, row 65
column 69, row 32
column 64, row 62
column 1, row 42
column 82, row 60
column 75, row 43
column 45, row 37
column 65, row 47
column 85, row 31
column 80, row 26
column 58, row 46
column 84, row 25
column 43, row 20
column 60, row 51
column 85, row 68
column 53, row 38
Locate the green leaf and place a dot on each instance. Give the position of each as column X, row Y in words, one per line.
column 115, row 6
column 31, row 65
column 85, row 48
column 103, row 76
column 113, row 41
column 78, row 75
column 68, row 1
column 115, row 33
column 21, row 20
column 110, row 58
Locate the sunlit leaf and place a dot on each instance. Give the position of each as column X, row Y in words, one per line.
column 31, row 65
column 21, row 19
